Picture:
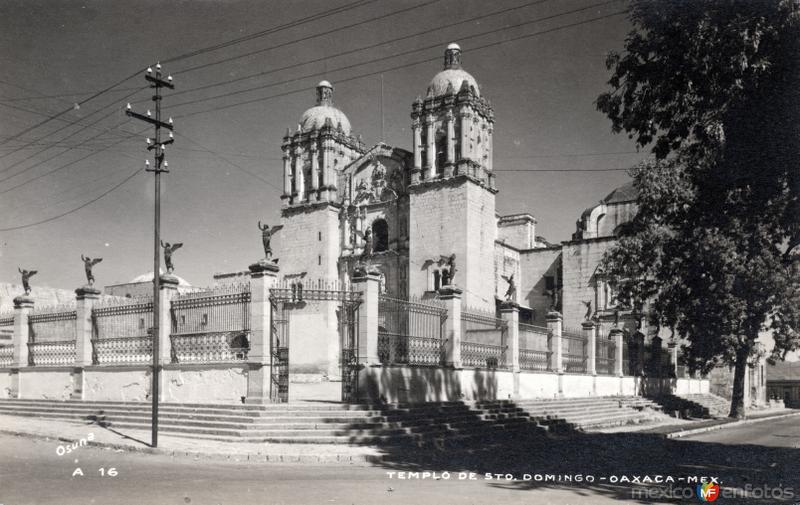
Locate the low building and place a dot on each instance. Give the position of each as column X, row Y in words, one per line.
column 783, row 382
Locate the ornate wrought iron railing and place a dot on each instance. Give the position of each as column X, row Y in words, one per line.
column 123, row 351
column 605, row 356
column 51, row 353
column 533, row 359
column 573, row 353
column 52, row 324
column 410, row 332
column 123, row 318
column 6, row 355
column 478, row 355
column 224, row 309
column 223, row 347
column 535, row 351
column 6, row 319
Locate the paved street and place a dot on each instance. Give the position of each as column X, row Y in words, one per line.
column 33, row 473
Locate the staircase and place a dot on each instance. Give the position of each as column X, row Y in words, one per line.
column 333, row 423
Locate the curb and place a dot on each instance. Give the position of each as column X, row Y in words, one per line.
column 732, row 424
column 238, row 458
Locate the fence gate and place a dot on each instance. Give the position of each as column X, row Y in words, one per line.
column 284, row 300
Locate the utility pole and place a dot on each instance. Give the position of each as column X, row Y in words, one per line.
column 156, row 145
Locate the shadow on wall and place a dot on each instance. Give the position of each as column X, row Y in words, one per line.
column 397, row 384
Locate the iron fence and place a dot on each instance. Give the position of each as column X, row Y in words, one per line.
column 6, row 355
column 573, row 352
column 123, row 351
column 410, row 332
column 6, row 319
column 223, row 309
column 535, row 351
column 223, row 347
column 52, row 324
column 477, row 355
column 122, row 318
column 605, row 356
column 51, row 353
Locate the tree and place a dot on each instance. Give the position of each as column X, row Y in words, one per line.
column 713, row 88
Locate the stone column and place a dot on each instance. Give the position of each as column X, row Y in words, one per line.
column 287, row 175
column 590, row 335
column 84, row 301
column 451, row 142
column 368, row 284
column 489, row 148
column 554, row 322
column 23, row 305
column 464, row 116
column 452, row 328
column 430, row 149
column 415, row 172
column 315, row 173
column 619, row 342
column 263, row 276
column 299, row 180
column 168, row 289
column 673, row 357
column 509, row 311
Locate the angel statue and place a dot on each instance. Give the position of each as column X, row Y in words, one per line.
column 168, row 250
column 88, row 263
column 367, row 236
column 511, row 292
column 449, row 274
column 266, row 237
column 26, row 274
column 588, row 305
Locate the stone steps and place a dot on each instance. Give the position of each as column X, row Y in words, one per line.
column 342, row 423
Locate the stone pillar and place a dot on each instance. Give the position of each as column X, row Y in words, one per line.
column 368, row 284
column 84, row 301
column 168, row 289
column 590, row 335
column 22, row 308
column 464, row 116
column 673, row 357
column 299, row 180
column 417, row 127
column 452, row 329
column 554, row 322
column 315, row 173
column 619, row 342
column 451, row 141
column 287, row 175
column 430, row 149
column 489, row 148
column 509, row 311
column 263, row 276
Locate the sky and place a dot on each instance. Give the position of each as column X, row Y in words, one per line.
column 540, row 63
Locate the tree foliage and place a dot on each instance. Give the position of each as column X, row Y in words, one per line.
column 713, row 87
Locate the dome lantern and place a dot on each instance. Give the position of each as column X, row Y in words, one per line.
column 452, row 57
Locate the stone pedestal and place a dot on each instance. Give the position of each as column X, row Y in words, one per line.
column 85, row 297
column 168, row 288
column 590, row 335
column 451, row 296
column 368, row 284
column 22, row 308
column 617, row 336
column 509, row 311
column 263, row 277
column 554, row 323
column 673, row 358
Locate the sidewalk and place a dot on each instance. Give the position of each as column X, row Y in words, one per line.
column 138, row 440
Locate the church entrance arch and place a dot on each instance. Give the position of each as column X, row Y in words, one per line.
column 308, row 317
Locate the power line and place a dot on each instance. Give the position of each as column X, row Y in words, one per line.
column 381, row 59
column 308, row 37
column 363, row 48
column 270, row 31
column 560, row 169
column 396, row 67
column 76, row 209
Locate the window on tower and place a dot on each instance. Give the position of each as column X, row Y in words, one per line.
column 441, row 149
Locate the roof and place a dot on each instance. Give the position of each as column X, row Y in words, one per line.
column 784, row 371
column 625, row 193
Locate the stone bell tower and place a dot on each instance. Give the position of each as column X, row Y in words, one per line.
column 452, row 192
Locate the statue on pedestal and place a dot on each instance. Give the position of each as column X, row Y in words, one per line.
column 266, row 238
column 88, row 263
column 26, row 275
column 448, row 273
column 168, row 250
column 554, row 301
column 511, row 292
column 588, row 305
